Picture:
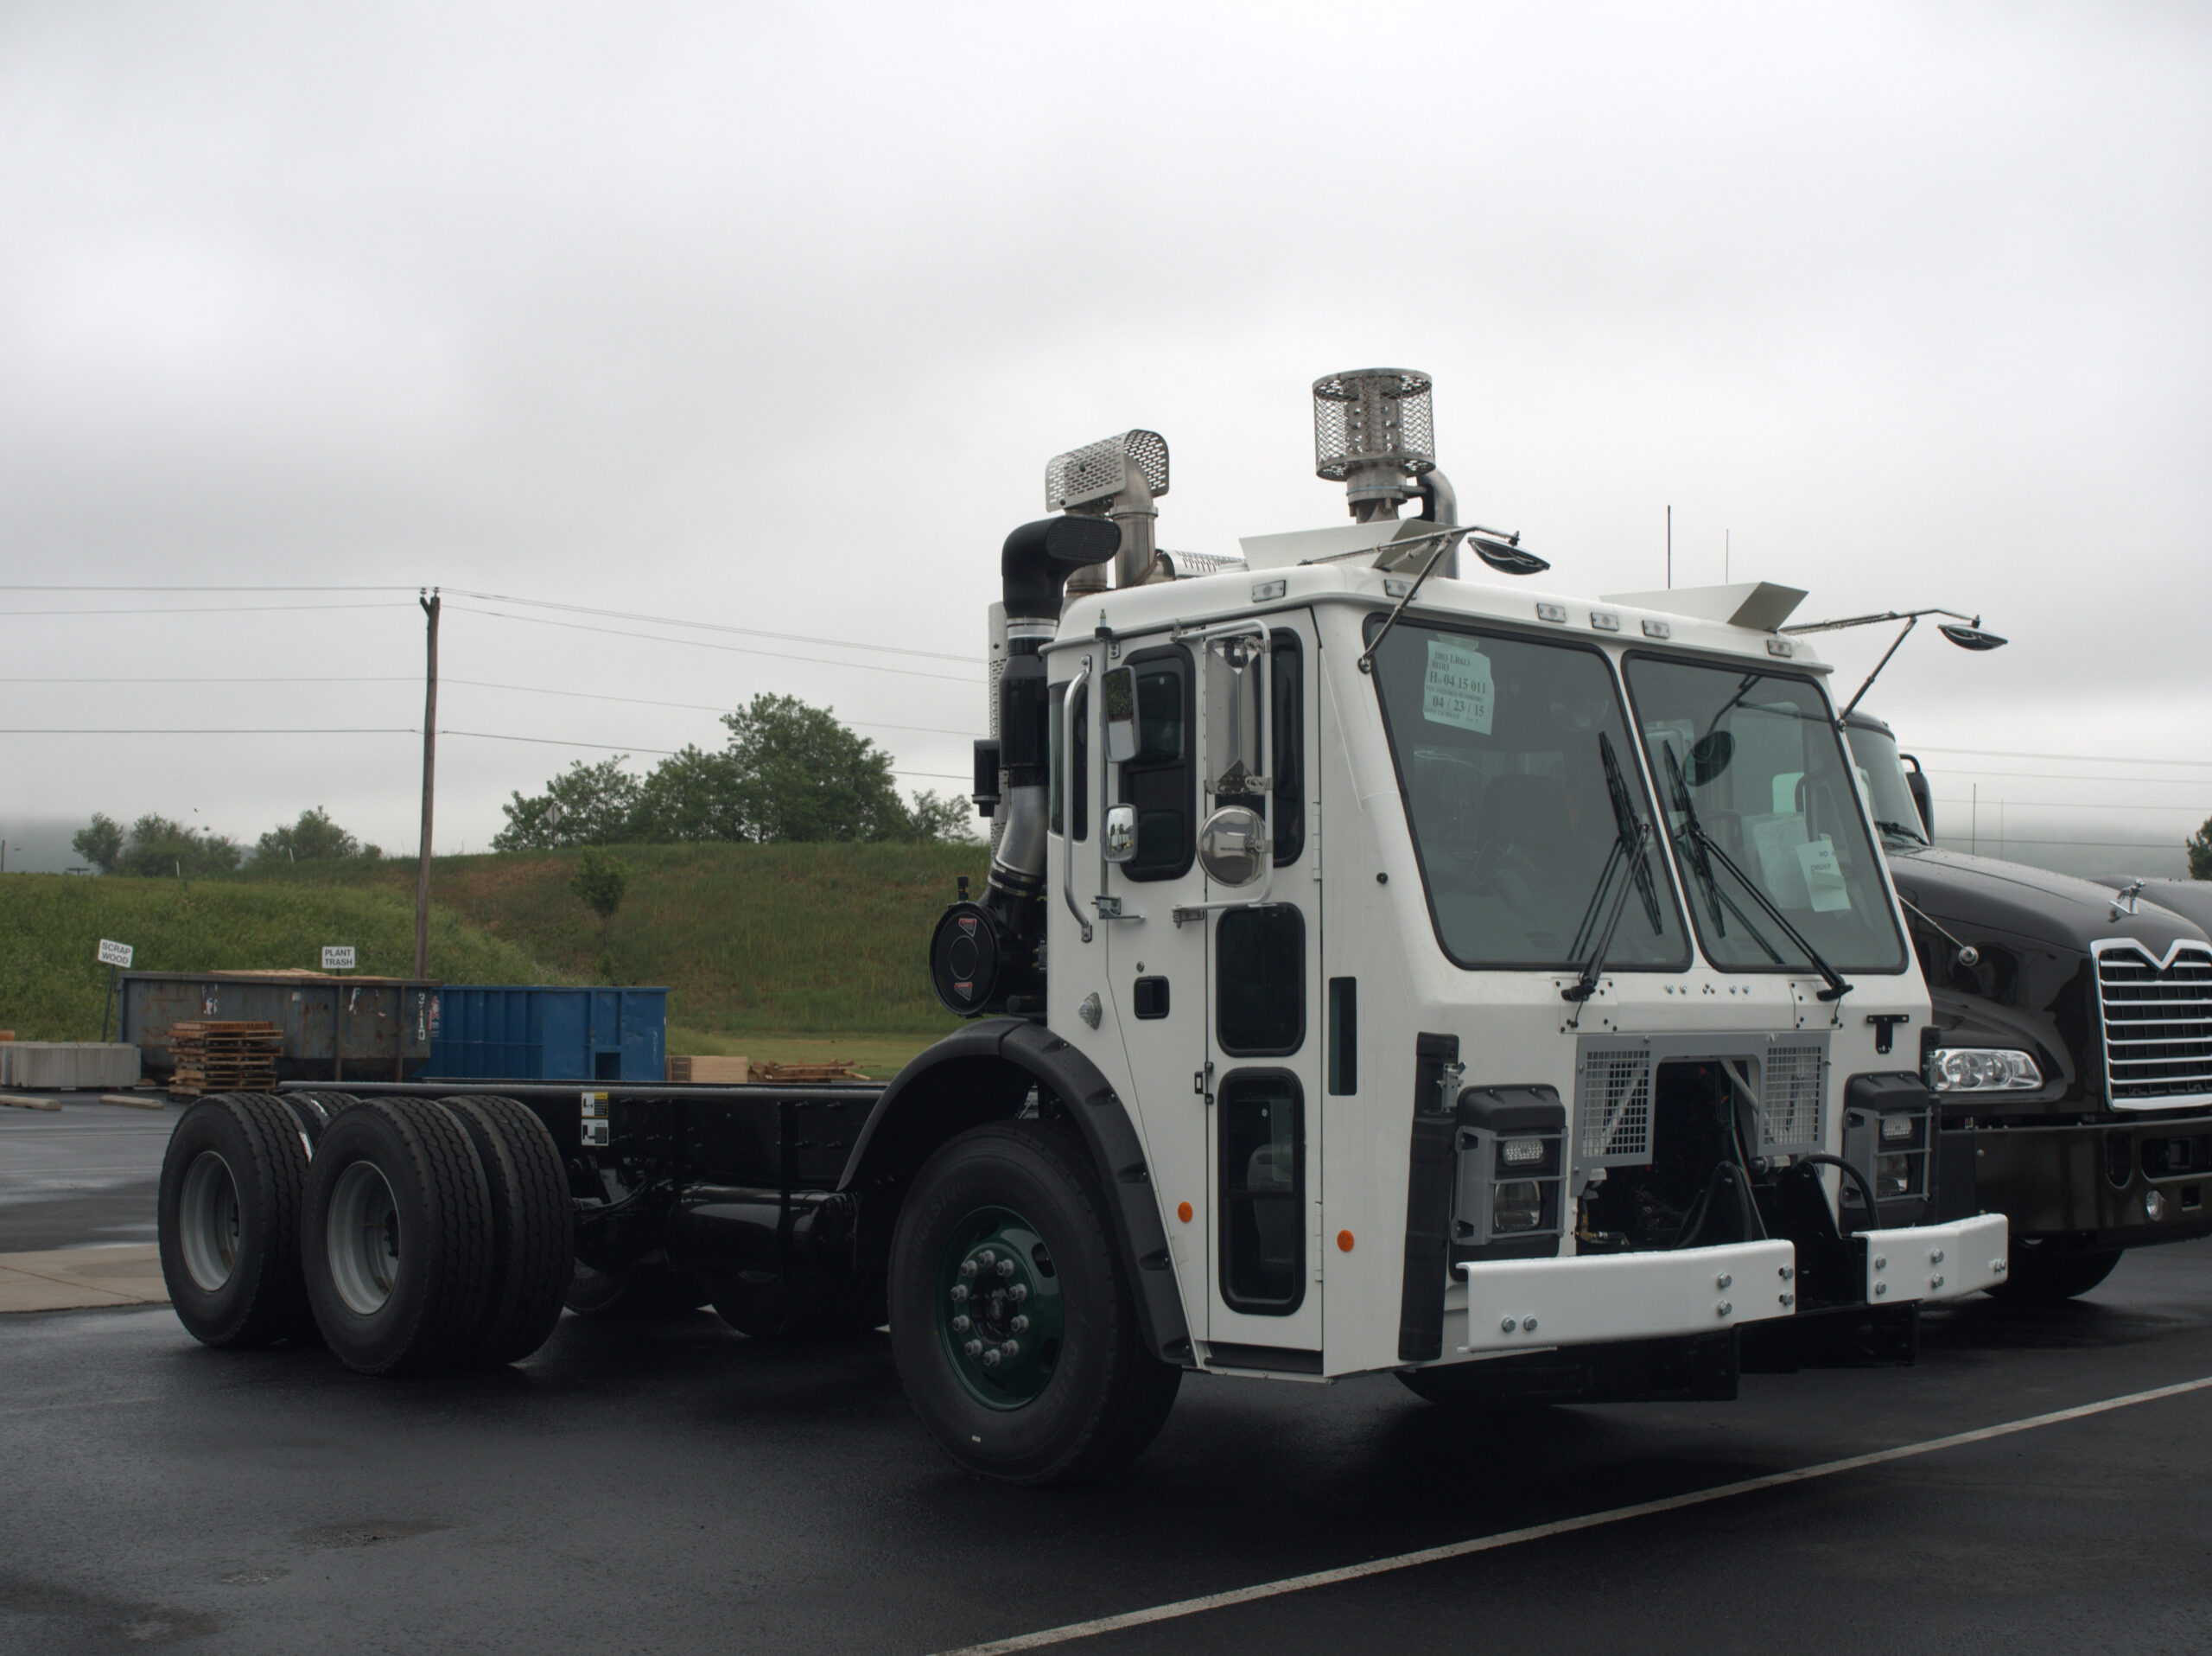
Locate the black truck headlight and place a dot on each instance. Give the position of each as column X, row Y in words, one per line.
column 1982, row 1069
column 1515, row 1205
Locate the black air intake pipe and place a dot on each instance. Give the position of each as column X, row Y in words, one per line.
column 983, row 956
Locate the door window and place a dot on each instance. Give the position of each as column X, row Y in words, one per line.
column 1159, row 781
column 1260, row 981
column 1262, row 1193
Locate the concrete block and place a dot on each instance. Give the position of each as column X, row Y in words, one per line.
column 68, row 1064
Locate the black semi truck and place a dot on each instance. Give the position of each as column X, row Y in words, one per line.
column 2070, row 1047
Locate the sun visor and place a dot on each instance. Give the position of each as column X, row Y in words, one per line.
column 1760, row 605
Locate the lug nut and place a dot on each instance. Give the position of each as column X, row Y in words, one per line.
column 974, row 1348
column 1012, row 1349
column 959, row 1295
column 1020, row 1325
column 1018, row 1293
column 986, row 1258
column 967, row 1271
column 1006, row 1267
column 961, row 1325
column 992, row 1358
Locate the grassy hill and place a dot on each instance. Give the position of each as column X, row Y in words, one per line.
column 793, row 941
column 786, row 952
column 53, row 989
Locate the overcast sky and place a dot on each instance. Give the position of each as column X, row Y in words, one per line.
column 771, row 317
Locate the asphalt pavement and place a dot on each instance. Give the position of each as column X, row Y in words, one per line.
column 677, row 1487
column 81, row 1175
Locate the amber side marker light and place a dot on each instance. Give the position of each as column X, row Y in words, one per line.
column 1183, row 1212
column 1344, row 1241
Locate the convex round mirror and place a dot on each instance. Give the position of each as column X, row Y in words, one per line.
column 1233, row 845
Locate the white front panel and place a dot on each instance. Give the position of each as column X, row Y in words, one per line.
column 1530, row 1304
column 1935, row 1261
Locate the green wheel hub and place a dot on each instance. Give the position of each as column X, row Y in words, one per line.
column 999, row 1311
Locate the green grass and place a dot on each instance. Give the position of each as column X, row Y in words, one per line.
column 53, row 989
column 792, row 940
column 790, row 952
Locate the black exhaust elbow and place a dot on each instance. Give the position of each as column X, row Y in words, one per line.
column 1040, row 557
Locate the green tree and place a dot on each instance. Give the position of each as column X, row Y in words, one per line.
column 944, row 818
column 100, row 844
column 2199, row 847
column 802, row 775
column 158, row 848
column 601, row 883
column 314, row 837
column 585, row 804
column 690, row 795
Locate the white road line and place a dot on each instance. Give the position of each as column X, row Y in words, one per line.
column 1075, row 1630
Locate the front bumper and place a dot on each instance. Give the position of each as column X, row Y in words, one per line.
column 2084, row 1180
column 1533, row 1304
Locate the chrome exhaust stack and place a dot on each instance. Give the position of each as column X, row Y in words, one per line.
column 1118, row 479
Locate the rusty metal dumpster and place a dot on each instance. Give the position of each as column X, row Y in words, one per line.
column 334, row 1028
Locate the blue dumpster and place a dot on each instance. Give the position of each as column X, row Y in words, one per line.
column 531, row 1032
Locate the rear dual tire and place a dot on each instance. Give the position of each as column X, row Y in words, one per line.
column 233, row 1182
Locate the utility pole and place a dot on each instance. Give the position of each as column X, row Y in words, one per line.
column 1670, row 549
column 430, row 607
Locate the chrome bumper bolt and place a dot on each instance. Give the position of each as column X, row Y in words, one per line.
column 1787, row 1272
column 1723, row 1280
column 1881, row 1288
column 1788, row 1299
column 1528, row 1325
column 1722, row 1307
column 1935, row 1256
column 1935, row 1283
column 1505, row 1325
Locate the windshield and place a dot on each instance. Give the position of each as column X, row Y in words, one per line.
column 1875, row 753
column 1752, row 759
column 1504, row 748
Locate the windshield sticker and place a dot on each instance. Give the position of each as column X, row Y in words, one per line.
column 1823, row 875
column 1457, row 691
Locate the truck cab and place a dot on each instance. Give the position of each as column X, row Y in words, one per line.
column 2071, row 1048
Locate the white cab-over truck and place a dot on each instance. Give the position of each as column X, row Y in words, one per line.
column 1379, row 970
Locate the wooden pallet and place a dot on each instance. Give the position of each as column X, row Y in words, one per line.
column 709, row 1070
column 838, row 1069
column 223, row 1055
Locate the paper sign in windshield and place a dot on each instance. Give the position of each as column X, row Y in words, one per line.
column 1458, row 690
column 1823, row 877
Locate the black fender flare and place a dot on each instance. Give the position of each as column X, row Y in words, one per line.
column 983, row 1073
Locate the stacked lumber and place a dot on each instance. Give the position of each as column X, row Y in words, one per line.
column 709, row 1071
column 223, row 1055
column 837, row 1069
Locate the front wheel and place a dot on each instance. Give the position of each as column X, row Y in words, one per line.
column 1012, row 1322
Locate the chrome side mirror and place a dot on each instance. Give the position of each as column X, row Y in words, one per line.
column 1120, row 715
column 1120, row 837
column 1233, row 845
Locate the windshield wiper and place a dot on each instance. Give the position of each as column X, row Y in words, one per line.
column 1702, row 847
column 1630, row 835
column 1898, row 830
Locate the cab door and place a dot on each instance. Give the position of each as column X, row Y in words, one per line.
column 1263, row 1037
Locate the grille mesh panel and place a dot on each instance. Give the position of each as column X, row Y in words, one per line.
column 1791, row 1087
column 2158, row 1024
column 1613, row 1107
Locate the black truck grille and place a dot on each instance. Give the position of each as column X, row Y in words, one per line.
column 2158, row 1024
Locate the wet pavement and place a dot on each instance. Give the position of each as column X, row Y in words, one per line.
column 677, row 1487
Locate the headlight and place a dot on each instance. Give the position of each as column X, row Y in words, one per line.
column 1516, row 1205
column 1893, row 1177
column 1980, row 1069
column 1896, row 1126
column 1521, row 1152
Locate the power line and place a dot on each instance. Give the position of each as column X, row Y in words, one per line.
column 286, row 730
column 603, row 747
column 730, row 649
column 2093, row 845
column 2057, row 776
column 712, row 627
column 2073, row 805
column 2085, row 759
column 202, row 609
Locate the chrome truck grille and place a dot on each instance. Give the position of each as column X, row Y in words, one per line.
column 2158, row 1018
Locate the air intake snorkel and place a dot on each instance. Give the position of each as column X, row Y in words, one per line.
column 984, row 955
